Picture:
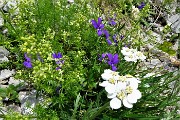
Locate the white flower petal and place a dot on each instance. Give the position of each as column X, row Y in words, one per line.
column 116, row 77
column 126, row 103
column 131, row 58
column 137, row 94
column 121, row 85
column 104, row 83
column 140, row 55
column 115, row 103
column 125, row 50
column 107, row 71
column 131, row 98
column 112, row 95
column 105, row 76
column 133, row 83
column 111, row 88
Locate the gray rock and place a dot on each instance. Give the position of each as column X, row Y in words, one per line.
column 14, row 81
column 9, row 5
column 174, row 22
column 4, row 51
column 176, row 26
column 3, row 82
column 164, row 59
column 158, row 37
column 155, row 62
column 12, row 4
column 6, row 74
column 4, row 110
column 170, row 69
column 3, row 59
column 172, row 19
column 22, row 94
column 28, row 101
column 14, row 108
column 3, row 86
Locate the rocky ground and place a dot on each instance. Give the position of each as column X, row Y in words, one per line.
column 26, row 97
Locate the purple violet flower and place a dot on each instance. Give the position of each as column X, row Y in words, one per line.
column 121, row 37
column 106, row 33
column 113, row 60
column 58, row 55
column 115, row 39
column 98, row 26
column 58, row 68
column 102, row 57
column 112, row 22
column 141, row 6
column 26, row 57
column 109, row 41
column 27, row 63
column 100, row 29
column 58, row 60
column 99, row 32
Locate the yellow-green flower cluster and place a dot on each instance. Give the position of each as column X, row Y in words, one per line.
column 33, row 45
column 42, row 71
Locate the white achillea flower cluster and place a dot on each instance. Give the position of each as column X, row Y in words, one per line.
column 135, row 12
column 132, row 54
column 120, row 89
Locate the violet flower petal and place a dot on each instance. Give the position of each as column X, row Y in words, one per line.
column 106, row 33
column 103, row 55
column 141, row 6
column 109, row 42
column 110, row 56
column 99, row 32
column 58, row 68
column 114, row 68
column 115, row 59
column 101, row 26
column 27, row 64
column 99, row 21
column 94, row 23
column 59, row 55
column 26, row 57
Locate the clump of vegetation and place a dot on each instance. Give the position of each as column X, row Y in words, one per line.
column 69, row 51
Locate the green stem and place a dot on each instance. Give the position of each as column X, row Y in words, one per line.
column 7, row 19
column 99, row 111
column 2, row 115
column 129, row 32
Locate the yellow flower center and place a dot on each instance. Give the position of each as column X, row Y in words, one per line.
column 129, row 90
column 112, row 81
column 122, row 78
column 121, row 95
column 114, row 73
